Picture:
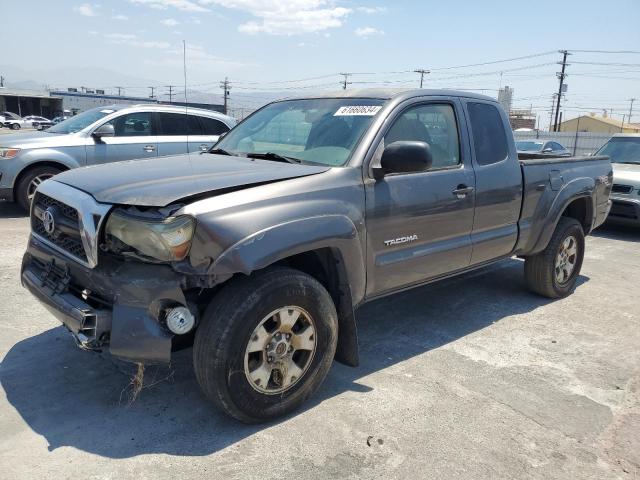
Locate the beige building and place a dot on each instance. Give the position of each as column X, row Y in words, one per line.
column 597, row 124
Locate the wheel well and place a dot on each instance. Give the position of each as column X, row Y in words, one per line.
column 37, row 165
column 581, row 210
column 320, row 264
column 326, row 266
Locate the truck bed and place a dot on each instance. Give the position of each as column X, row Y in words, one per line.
column 549, row 181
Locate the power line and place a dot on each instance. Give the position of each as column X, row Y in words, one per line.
column 542, row 54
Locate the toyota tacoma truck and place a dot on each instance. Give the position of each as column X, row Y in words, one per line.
column 259, row 251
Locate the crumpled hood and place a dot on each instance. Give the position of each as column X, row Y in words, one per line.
column 626, row 174
column 160, row 181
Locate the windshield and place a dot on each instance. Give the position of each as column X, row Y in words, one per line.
column 528, row 146
column 83, row 120
column 622, row 150
column 319, row 131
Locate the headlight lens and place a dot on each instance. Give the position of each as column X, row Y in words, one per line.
column 166, row 240
column 8, row 152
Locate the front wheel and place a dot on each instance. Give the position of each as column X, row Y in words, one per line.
column 15, row 126
column 554, row 271
column 30, row 181
column 265, row 344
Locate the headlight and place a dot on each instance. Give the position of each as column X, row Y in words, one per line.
column 166, row 240
column 8, row 152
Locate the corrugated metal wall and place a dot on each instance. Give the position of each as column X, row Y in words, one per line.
column 580, row 143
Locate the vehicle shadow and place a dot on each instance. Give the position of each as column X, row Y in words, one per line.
column 614, row 231
column 78, row 399
column 11, row 210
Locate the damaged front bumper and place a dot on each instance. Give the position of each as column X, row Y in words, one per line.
column 117, row 306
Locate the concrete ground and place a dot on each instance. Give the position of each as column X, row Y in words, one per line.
column 469, row 378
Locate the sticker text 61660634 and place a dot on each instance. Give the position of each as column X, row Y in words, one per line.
column 357, row 110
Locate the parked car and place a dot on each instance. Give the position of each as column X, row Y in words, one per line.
column 624, row 151
column 13, row 121
column 102, row 135
column 39, row 122
column 551, row 149
column 263, row 247
column 59, row 119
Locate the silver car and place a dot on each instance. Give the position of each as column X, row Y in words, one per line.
column 552, row 149
column 624, row 151
column 102, row 135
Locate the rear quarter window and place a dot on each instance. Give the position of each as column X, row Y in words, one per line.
column 211, row 126
column 489, row 136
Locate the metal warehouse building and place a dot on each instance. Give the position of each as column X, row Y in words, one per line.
column 29, row 102
column 52, row 103
column 75, row 101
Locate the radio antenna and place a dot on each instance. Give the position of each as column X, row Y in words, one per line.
column 186, row 103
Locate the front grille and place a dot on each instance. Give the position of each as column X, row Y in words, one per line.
column 66, row 234
column 617, row 188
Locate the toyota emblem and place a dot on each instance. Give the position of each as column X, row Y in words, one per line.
column 48, row 221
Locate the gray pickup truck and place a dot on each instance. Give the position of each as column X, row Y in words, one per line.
column 259, row 251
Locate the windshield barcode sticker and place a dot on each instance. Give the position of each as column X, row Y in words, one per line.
column 367, row 110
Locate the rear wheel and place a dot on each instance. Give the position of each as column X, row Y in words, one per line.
column 265, row 344
column 554, row 271
column 30, row 181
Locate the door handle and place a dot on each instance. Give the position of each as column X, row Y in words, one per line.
column 204, row 147
column 149, row 148
column 462, row 191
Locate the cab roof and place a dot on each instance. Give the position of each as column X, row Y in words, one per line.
column 394, row 93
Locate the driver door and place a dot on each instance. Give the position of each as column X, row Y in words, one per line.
column 419, row 224
column 134, row 139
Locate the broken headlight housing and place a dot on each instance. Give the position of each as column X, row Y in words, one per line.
column 166, row 240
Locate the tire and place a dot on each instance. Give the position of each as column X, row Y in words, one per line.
column 546, row 273
column 31, row 179
column 15, row 126
column 231, row 326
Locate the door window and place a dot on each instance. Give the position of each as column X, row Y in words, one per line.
column 489, row 136
column 176, row 124
column 434, row 124
column 136, row 124
column 556, row 147
column 211, row 126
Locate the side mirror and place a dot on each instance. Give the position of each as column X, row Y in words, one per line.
column 404, row 157
column 105, row 130
column 547, row 150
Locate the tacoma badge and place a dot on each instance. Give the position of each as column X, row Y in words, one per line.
column 397, row 241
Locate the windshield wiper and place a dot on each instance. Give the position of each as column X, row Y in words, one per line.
column 219, row 151
column 274, row 156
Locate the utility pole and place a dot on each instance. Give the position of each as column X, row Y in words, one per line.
column 225, row 88
column 119, row 90
column 170, row 87
column 561, row 77
column 553, row 102
column 344, row 82
column 422, row 73
column 152, row 89
column 631, row 100
column 1, row 81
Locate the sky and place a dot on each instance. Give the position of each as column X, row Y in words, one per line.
column 272, row 47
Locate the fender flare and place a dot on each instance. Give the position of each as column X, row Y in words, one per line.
column 583, row 187
column 336, row 232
